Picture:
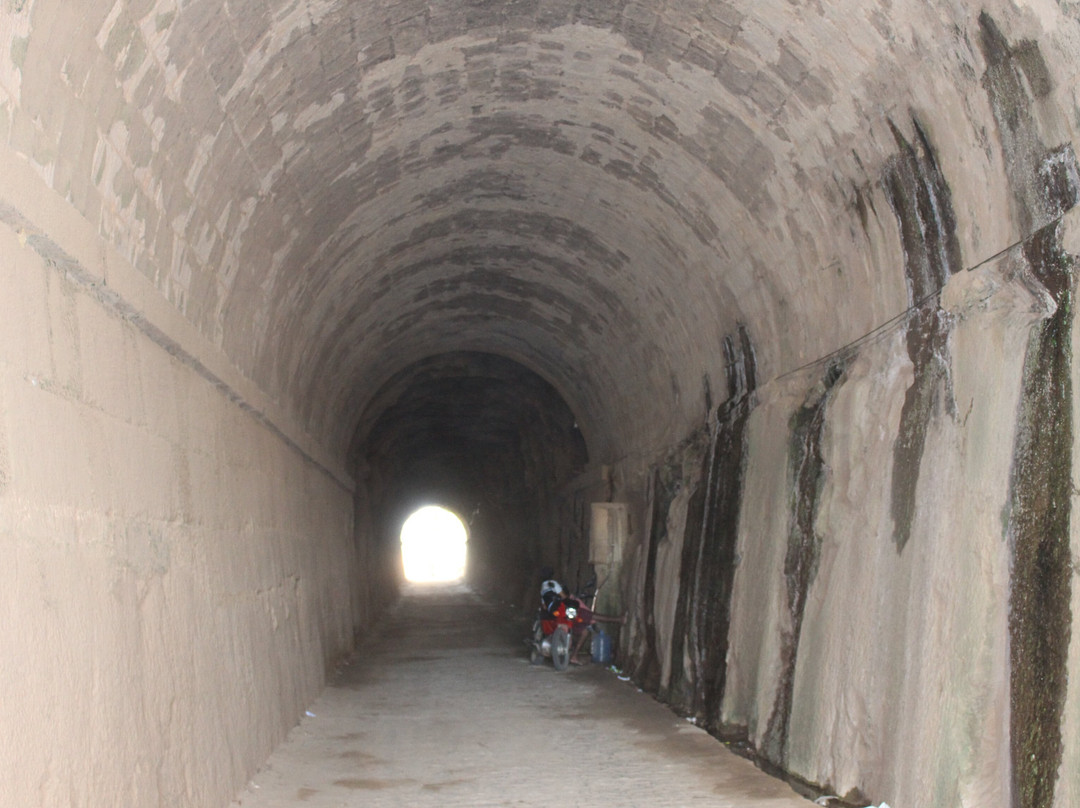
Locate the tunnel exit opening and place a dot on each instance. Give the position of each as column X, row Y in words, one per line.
column 433, row 546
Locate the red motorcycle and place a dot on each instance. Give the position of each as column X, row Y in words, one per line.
column 554, row 629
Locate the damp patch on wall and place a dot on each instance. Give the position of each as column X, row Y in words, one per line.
column 806, row 474
column 1037, row 527
column 922, row 203
column 1045, row 182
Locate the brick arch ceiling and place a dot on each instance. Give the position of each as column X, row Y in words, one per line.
column 332, row 190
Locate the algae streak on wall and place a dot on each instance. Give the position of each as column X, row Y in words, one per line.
column 1045, row 183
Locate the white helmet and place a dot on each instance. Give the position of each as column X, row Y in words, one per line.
column 550, row 586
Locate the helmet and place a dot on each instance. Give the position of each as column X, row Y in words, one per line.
column 550, row 587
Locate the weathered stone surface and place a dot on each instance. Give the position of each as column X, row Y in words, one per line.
column 176, row 576
column 227, row 230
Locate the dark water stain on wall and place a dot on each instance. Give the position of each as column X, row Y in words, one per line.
column 1045, row 183
column 806, row 472
column 679, row 692
column 707, row 566
column 922, row 204
column 710, row 607
column 714, row 574
column 1040, row 617
column 664, row 484
column 1016, row 80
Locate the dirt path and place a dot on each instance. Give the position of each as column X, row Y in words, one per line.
column 442, row 709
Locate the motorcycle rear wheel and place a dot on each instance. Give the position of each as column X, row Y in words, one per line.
column 560, row 648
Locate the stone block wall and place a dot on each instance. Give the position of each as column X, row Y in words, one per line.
column 175, row 576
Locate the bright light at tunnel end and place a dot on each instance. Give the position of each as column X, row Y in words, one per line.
column 433, row 546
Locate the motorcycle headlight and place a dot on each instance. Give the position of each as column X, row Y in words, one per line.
column 571, row 612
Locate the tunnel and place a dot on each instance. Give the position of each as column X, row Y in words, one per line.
column 760, row 313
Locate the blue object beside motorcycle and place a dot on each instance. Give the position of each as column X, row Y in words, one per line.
column 601, row 647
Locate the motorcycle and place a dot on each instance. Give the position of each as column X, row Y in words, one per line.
column 554, row 628
column 553, row 633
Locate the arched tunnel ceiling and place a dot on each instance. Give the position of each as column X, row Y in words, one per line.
column 600, row 191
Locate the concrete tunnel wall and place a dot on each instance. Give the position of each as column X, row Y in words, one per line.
column 801, row 277
column 177, row 577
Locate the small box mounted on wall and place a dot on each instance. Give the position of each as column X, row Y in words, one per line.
column 608, row 531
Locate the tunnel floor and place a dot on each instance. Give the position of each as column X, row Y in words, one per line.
column 441, row 707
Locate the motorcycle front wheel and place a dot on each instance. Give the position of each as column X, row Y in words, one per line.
column 560, row 648
column 536, row 656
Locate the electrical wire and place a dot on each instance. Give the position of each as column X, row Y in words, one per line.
column 914, row 307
